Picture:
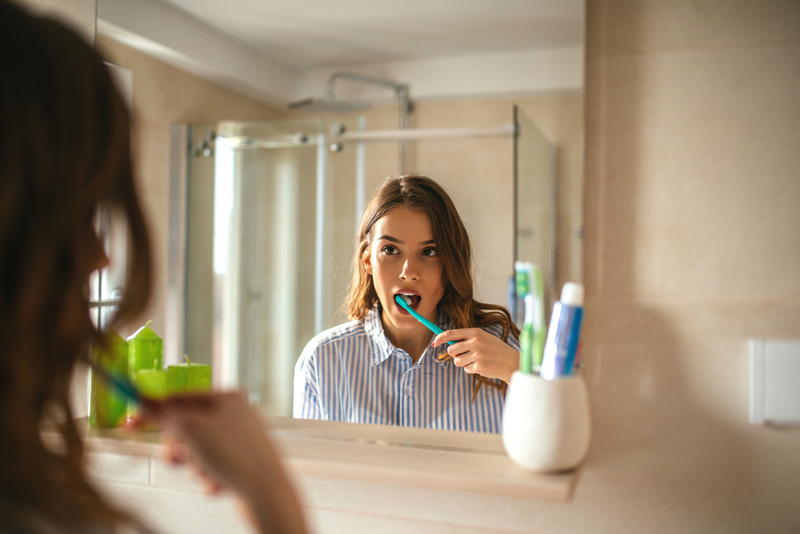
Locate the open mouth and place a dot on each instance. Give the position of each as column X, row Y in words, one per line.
column 412, row 298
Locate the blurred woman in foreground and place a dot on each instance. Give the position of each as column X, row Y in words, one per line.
column 64, row 157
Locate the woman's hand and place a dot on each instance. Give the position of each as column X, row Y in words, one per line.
column 479, row 352
column 226, row 440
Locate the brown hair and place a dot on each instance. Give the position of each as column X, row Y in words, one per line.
column 64, row 152
column 418, row 192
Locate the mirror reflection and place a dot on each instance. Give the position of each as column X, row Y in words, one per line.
column 272, row 241
column 412, row 275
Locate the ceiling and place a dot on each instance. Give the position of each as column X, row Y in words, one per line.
column 309, row 34
column 280, row 51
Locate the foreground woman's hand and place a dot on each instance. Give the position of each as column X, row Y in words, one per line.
column 479, row 352
column 225, row 438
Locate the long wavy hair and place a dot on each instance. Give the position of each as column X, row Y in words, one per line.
column 64, row 152
column 418, row 192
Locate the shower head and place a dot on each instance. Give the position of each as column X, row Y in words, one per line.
column 329, row 105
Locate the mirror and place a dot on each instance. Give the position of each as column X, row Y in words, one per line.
column 259, row 283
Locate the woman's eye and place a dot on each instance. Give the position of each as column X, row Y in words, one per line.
column 430, row 252
column 389, row 250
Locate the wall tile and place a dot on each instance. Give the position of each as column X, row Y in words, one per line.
column 181, row 478
column 691, row 219
column 117, row 468
column 651, row 26
column 673, row 194
column 177, row 512
column 336, row 522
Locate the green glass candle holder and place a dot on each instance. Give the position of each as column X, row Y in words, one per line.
column 156, row 383
column 196, row 376
column 144, row 346
column 107, row 408
column 145, row 352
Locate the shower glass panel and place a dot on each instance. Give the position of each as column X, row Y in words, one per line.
column 535, row 196
column 347, row 198
column 251, row 246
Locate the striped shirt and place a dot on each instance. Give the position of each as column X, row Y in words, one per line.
column 353, row 373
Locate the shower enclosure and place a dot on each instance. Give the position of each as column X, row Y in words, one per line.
column 263, row 217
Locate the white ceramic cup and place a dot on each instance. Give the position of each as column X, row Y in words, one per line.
column 546, row 423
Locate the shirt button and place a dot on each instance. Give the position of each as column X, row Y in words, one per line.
column 409, row 391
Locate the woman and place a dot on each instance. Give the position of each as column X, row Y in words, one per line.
column 65, row 155
column 382, row 367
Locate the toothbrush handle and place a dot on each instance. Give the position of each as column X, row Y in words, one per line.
column 122, row 384
column 432, row 327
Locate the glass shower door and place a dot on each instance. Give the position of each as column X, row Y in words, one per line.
column 535, row 202
column 251, row 249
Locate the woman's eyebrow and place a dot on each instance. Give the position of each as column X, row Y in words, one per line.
column 399, row 242
column 392, row 239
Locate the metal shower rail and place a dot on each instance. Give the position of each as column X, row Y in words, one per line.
column 419, row 134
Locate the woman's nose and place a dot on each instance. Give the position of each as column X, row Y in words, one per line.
column 97, row 254
column 410, row 271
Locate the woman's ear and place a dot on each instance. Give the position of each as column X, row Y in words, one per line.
column 366, row 259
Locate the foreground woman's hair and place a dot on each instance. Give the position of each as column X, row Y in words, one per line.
column 64, row 152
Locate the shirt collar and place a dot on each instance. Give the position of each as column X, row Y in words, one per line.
column 383, row 348
column 443, row 322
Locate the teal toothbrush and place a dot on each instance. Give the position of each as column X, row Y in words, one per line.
column 400, row 299
column 532, row 334
column 118, row 382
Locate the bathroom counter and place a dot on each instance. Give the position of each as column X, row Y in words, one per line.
column 462, row 462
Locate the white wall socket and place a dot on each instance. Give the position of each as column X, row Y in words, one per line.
column 774, row 382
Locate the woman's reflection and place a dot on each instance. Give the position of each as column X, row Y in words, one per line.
column 381, row 367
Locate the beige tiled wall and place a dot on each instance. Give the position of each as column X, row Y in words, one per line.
column 692, row 230
column 163, row 95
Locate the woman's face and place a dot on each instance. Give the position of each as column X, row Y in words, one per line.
column 93, row 252
column 403, row 259
column 96, row 254
column 91, row 257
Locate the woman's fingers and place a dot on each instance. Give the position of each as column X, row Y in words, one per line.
column 456, row 336
column 460, row 349
column 479, row 352
column 470, row 366
column 178, row 453
column 467, row 355
column 210, row 484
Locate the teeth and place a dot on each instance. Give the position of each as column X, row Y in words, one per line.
column 410, row 298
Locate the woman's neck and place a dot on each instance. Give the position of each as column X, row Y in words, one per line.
column 412, row 340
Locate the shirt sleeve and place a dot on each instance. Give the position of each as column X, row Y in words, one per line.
column 306, row 386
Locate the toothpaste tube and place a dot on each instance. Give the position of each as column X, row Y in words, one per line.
column 564, row 333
